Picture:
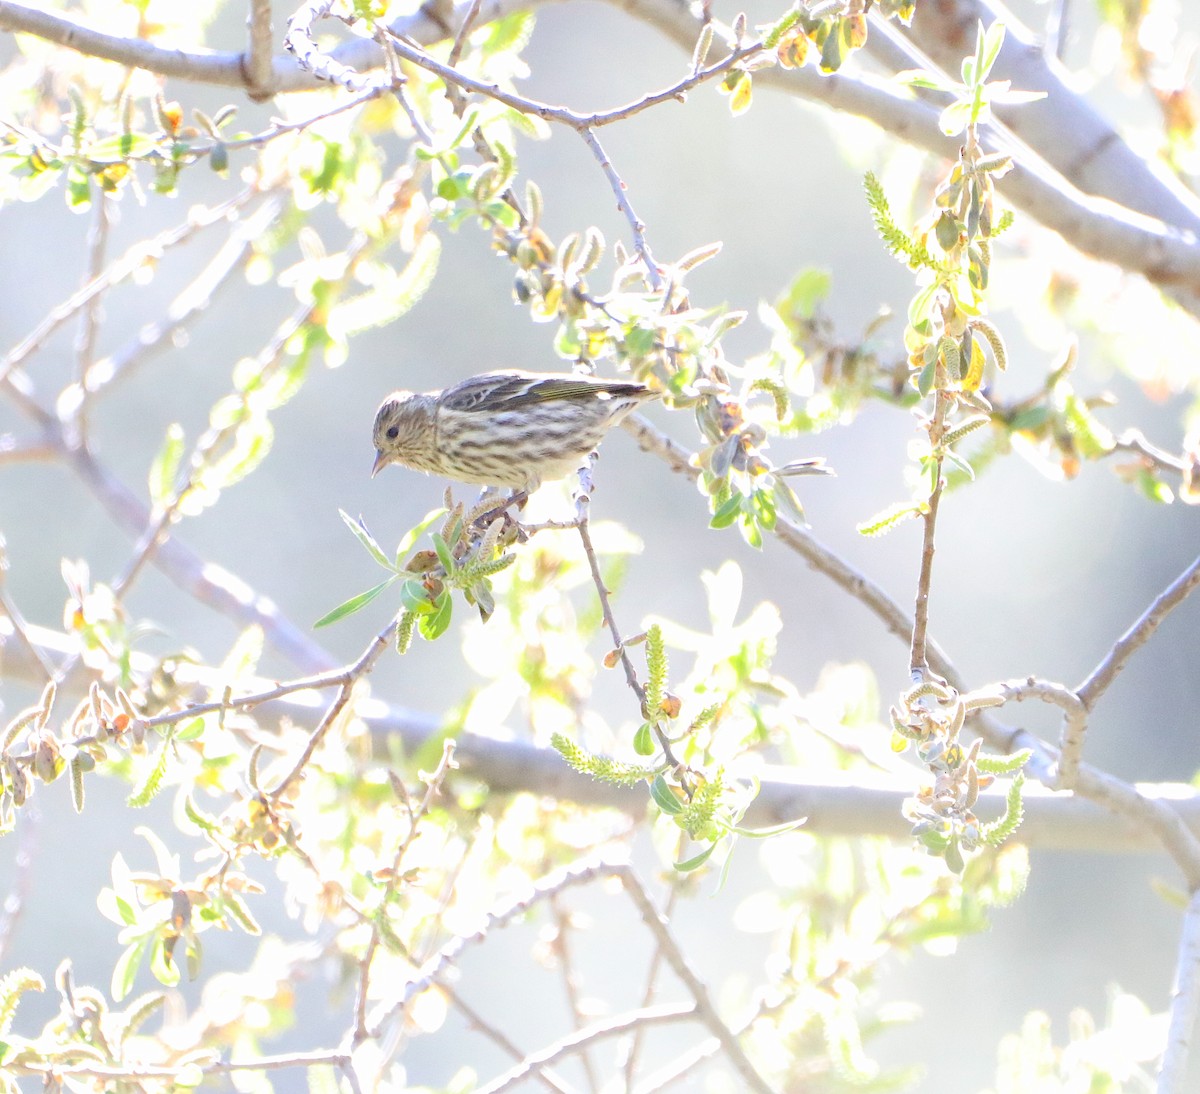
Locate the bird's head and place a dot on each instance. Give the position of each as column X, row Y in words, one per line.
column 403, row 430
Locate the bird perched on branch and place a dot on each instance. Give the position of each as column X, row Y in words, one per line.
column 512, row 429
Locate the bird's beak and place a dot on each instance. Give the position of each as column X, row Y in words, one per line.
column 380, row 462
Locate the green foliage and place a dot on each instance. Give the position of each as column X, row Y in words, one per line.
column 602, row 768
column 1097, row 1056
column 467, row 553
column 13, row 985
column 998, row 831
column 897, row 242
column 390, row 848
column 888, row 519
column 656, row 666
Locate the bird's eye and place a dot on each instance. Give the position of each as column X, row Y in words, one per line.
column 393, row 432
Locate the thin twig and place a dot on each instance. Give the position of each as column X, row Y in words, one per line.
column 113, row 1073
column 139, row 255
column 821, row 558
column 547, row 1077
column 89, row 327
column 918, row 659
column 620, row 191
column 570, row 979
column 207, row 582
column 460, row 39
column 563, row 115
column 191, row 302
column 1133, row 440
column 580, row 873
column 17, row 620
column 1162, row 253
column 630, row 1067
column 362, row 667
column 1138, row 635
column 433, row 786
column 695, row 986
column 842, row 805
column 619, row 643
column 575, row 1043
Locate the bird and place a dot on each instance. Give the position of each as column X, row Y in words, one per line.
column 508, row 428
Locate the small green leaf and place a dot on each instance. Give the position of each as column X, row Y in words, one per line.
column 349, row 607
column 786, row 499
column 955, row 118
column 409, row 540
column 165, row 468
column 727, row 512
column 191, row 730
column 988, row 48
column 433, row 624
column 151, row 784
column 664, row 797
column 162, row 964
column 366, row 539
column 252, row 443
column 921, row 305
column 125, row 970
column 751, row 532
column 696, row 861
column 415, row 597
column 643, row 740
column 443, row 552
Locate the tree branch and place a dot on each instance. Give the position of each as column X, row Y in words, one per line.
column 860, row 805
column 1138, row 635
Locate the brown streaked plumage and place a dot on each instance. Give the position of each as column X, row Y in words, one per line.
column 513, row 429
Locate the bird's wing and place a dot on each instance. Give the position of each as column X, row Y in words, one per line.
column 495, row 391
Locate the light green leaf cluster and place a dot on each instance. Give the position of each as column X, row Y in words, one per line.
column 602, row 768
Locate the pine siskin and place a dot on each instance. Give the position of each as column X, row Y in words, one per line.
column 512, row 429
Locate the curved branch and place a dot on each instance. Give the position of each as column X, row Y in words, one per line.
column 1138, row 635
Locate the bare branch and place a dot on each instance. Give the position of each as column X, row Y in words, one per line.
column 861, row 805
column 636, row 225
column 918, row 660
column 581, row 873
column 127, row 265
column 821, row 558
column 209, row 583
column 190, row 303
column 1138, row 635
column 574, row 1044
column 361, row 668
column 1150, row 242
column 695, row 986
column 563, row 115
column 1074, row 721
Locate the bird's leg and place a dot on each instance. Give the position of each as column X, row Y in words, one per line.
column 485, row 512
column 583, row 492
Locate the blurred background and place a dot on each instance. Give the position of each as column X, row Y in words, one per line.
column 1033, row 577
